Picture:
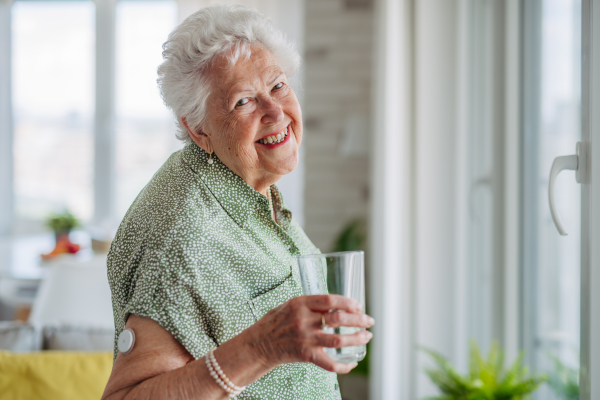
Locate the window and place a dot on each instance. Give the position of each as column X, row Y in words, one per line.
column 483, row 197
column 53, row 107
column 145, row 127
column 53, row 55
column 551, row 263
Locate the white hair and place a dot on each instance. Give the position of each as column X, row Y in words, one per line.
column 184, row 75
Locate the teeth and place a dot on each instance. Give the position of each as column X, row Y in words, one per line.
column 274, row 138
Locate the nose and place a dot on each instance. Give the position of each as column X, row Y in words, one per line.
column 272, row 111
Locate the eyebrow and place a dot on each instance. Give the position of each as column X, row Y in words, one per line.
column 273, row 77
column 238, row 91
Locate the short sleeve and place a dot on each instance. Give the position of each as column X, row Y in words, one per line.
column 165, row 298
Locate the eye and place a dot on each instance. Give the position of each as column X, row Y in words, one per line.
column 241, row 102
column 278, row 86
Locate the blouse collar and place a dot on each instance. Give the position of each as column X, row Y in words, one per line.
column 237, row 198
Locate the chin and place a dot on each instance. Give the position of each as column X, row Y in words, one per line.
column 286, row 166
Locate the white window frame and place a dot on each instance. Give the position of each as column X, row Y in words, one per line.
column 530, row 59
column 512, row 179
column 411, row 63
column 6, row 128
column 589, row 382
column 104, row 132
column 497, row 95
column 105, row 115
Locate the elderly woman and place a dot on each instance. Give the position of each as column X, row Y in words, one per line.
column 203, row 268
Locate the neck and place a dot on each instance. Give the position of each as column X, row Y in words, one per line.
column 263, row 185
column 260, row 180
column 264, row 191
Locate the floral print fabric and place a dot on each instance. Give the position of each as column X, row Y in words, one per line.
column 199, row 253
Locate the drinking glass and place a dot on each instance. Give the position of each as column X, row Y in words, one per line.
column 340, row 273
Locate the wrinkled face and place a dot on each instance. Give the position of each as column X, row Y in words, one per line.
column 254, row 120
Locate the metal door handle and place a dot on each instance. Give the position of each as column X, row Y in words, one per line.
column 574, row 162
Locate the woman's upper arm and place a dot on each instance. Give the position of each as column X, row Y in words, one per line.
column 155, row 352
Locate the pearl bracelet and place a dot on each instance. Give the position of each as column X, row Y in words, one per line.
column 217, row 368
column 222, row 384
column 219, row 376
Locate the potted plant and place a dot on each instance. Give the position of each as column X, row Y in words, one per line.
column 564, row 380
column 487, row 378
column 62, row 224
column 353, row 236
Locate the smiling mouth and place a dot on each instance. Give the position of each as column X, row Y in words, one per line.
column 276, row 138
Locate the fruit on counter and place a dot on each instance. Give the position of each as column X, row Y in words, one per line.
column 63, row 246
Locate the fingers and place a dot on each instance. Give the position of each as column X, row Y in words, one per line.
column 300, row 320
column 336, row 341
column 321, row 359
column 326, row 302
column 337, row 319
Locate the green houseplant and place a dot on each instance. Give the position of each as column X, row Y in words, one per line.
column 487, row 378
column 353, row 236
column 62, row 223
column 564, row 380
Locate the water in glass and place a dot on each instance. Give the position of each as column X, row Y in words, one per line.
column 340, row 273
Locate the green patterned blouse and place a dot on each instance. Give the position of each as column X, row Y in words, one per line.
column 199, row 253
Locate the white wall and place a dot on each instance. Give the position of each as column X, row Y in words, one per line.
column 338, row 45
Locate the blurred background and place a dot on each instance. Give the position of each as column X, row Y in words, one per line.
column 430, row 129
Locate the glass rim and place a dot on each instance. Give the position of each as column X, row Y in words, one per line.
column 334, row 253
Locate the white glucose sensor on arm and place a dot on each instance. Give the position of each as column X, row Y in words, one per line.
column 126, row 341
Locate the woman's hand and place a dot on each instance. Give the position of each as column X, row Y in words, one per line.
column 292, row 332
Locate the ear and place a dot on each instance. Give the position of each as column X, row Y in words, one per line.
column 199, row 137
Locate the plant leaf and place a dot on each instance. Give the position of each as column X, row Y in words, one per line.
column 487, row 379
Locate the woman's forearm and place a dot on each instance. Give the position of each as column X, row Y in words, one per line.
column 193, row 381
column 159, row 367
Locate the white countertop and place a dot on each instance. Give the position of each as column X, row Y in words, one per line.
column 20, row 255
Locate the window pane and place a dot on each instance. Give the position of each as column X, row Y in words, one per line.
column 145, row 128
column 53, row 75
column 480, row 174
column 553, row 261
